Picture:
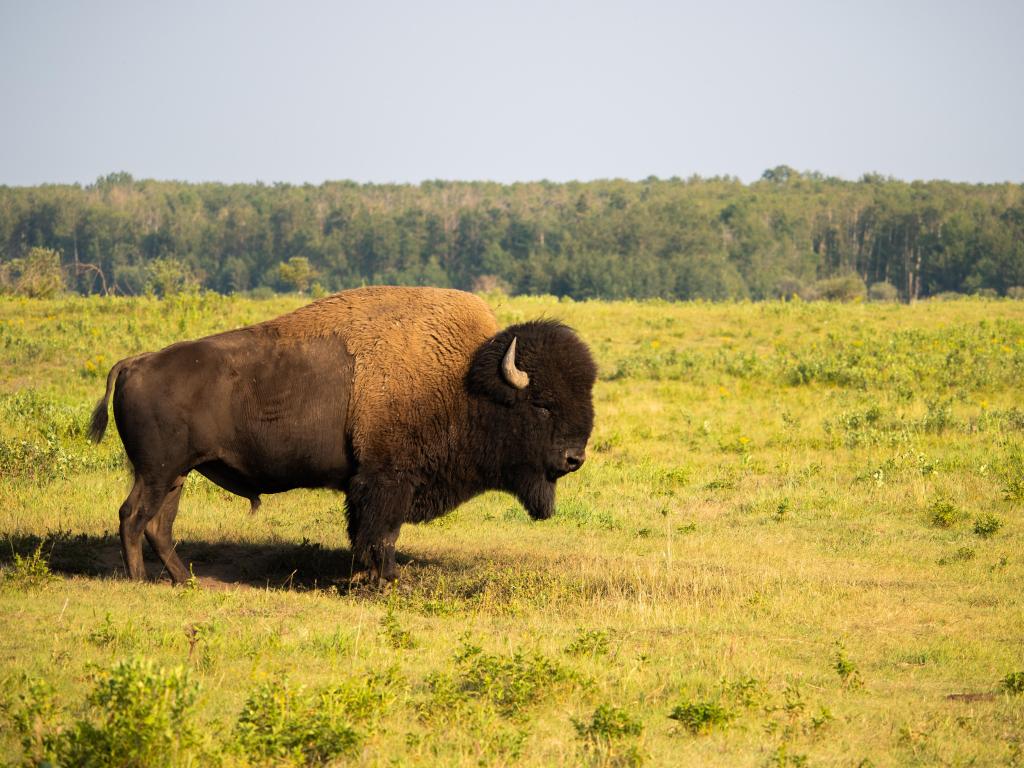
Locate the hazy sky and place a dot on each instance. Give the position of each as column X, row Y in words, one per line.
column 406, row 91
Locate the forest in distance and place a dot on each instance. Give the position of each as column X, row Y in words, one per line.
column 788, row 233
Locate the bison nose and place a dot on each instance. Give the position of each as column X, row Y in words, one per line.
column 574, row 460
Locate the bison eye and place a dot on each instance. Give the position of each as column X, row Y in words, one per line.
column 541, row 410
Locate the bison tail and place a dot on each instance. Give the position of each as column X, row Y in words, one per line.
column 98, row 425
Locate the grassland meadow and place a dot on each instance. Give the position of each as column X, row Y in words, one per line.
column 798, row 540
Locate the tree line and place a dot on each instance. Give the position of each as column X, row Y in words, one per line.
column 712, row 238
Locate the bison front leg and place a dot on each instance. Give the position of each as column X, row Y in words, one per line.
column 376, row 509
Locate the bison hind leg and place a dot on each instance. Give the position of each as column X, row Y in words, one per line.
column 147, row 499
column 131, row 546
column 158, row 533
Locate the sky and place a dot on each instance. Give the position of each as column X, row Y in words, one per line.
column 384, row 91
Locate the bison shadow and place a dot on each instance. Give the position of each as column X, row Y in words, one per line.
column 278, row 565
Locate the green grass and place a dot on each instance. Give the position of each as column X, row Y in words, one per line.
column 797, row 540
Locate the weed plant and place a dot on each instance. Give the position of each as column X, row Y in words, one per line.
column 27, row 572
column 609, row 738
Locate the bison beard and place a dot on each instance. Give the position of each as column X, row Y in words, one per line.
column 410, row 400
column 537, row 494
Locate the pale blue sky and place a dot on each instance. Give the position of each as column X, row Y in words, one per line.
column 406, row 91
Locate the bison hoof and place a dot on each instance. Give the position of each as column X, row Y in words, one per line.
column 372, row 578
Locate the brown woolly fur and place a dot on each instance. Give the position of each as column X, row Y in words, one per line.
column 411, row 347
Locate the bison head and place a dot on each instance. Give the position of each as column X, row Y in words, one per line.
column 534, row 381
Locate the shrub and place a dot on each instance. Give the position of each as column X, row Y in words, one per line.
column 844, row 288
column 37, row 274
column 1013, row 683
column 396, row 635
column 608, row 723
column 748, row 692
column 137, row 714
column 1013, row 478
column 296, row 274
column 701, row 716
column 260, row 293
column 944, row 513
column 1015, row 292
column 606, row 738
column 961, row 555
column 592, row 643
column 986, row 526
column 107, row 635
column 281, row 722
column 782, row 757
column 42, row 462
column 846, row 669
column 28, row 572
column 788, row 287
column 939, row 415
column 511, row 683
column 886, row 292
column 169, row 277
column 34, row 717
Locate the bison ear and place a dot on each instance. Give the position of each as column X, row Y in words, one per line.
column 493, row 372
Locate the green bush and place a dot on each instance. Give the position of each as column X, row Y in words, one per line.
column 701, row 716
column 27, row 572
column 588, row 643
column 844, row 288
column 1013, row 683
column 280, row 722
column 169, row 277
column 1013, row 477
column 284, row 723
column 137, row 715
column 987, row 526
column 38, row 274
column 511, row 683
column 296, row 274
column 886, row 292
column 397, row 636
column 945, row 514
column 846, row 669
column 960, row 555
column 608, row 738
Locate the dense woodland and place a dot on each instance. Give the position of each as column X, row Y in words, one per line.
column 712, row 238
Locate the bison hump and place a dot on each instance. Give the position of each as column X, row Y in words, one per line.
column 412, row 349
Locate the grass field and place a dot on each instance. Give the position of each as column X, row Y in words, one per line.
column 798, row 540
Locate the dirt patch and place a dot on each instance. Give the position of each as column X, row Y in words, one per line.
column 971, row 697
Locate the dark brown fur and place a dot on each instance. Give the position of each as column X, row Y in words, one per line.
column 393, row 395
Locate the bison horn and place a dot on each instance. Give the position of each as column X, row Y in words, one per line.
column 517, row 378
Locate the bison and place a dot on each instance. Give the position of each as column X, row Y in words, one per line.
column 409, row 400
